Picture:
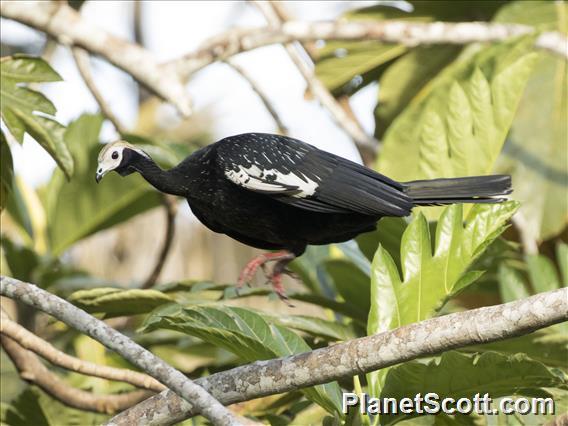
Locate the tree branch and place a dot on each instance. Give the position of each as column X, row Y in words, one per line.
column 32, row 370
column 407, row 33
column 30, row 341
column 360, row 356
column 170, row 207
column 350, row 125
column 68, row 27
column 282, row 129
column 196, row 396
column 82, row 61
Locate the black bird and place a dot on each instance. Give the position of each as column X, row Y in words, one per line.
column 278, row 193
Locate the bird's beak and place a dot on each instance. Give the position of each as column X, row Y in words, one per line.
column 100, row 174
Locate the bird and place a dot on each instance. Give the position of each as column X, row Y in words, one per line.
column 280, row 194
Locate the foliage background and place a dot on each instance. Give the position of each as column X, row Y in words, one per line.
column 438, row 111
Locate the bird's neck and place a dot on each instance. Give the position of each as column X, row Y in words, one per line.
column 168, row 181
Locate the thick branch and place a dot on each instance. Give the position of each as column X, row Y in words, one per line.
column 82, row 60
column 170, row 208
column 350, row 125
column 31, row 295
column 61, row 22
column 407, row 33
column 32, row 370
column 360, row 356
column 30, row 341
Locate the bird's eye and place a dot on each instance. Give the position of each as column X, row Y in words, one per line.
column 114, row 155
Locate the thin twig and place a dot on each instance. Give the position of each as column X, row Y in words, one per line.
column 282, row 129
column 82, row 61
column 350, row 125
column 360, row 356
column 30, row 341
column 68, row 27
column 196, row 396
column 170, row 208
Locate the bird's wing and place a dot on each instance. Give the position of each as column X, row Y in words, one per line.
column 299, row 174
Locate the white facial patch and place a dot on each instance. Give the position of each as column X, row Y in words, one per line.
column 272, row 180
column 110, row 156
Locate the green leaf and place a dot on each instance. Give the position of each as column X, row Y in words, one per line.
column 405, row 78
column 309, row 268
column 34, row 407
column 114, row 302
column 49, row 134
column 316, row 327
column 20, row 103
column 458, row 124
column 246, row 334
column 539, row 136
column 511, row 285
column 548, row 346
column 542, row 273
column 344, row 67
column 21, row 260
column 351, row 283
column 430, row 278
column 29, row 69
column 81, row 207
column 562, row 256
column 388, row 234
column 493, row 373
column 339, row 63
column 6, row 171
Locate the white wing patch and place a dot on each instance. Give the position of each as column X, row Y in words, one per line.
column 272, row 180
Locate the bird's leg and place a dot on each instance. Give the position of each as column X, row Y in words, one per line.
column 250, row 269
column 276, row 277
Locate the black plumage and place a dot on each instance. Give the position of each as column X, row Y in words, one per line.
column 275, row 192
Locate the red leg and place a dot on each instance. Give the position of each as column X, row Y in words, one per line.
column 276, row 277
column 250, row 269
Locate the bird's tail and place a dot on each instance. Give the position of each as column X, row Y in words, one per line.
column 474, row 189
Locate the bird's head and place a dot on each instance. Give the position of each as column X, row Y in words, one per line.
column 117, row 156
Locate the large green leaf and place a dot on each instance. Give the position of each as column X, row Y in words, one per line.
column 388, row 234
column 246, row 334
column 80, row 208
column 549, row 346
column 511, row 284
column 345, row 67
column 535, row 154
column 34, row 407
column 458, row 124
column 19, row 103
column 351, row 283
column 493, row 373
column 316, row 327
column 117, row 302
column 6, row 171
column 430, row 278
column 542, row 273
column 404, row 79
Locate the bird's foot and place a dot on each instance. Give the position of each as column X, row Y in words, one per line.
column 276, row 280
column 282, row 258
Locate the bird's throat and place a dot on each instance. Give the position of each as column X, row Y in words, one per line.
column 166, row 181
